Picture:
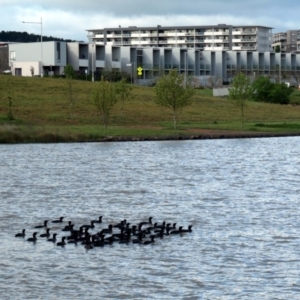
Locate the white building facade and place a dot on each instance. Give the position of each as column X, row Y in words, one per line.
column 213, row 38
column 36, row 59
column 145, row 64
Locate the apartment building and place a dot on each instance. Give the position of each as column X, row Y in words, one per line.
column 37, row 59
column 213, row 38
column 145, row 64
column 286, row 41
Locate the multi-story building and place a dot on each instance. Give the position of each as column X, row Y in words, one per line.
column 36, row 59
column 286, row 41
column 219, row 37
column 146, row 64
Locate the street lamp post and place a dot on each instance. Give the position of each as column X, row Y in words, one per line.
column 41, row 23
column 93, row 48
column 131, row 65
column 185, row 77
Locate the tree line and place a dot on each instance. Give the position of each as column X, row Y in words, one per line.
column 262, row 89
column 25, row 37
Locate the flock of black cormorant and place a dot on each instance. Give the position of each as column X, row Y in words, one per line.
column 95, row 235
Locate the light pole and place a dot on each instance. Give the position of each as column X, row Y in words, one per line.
column 132, row 68
column 93, row 78
column 281, row 59
column 41, row 23
column 185, row 69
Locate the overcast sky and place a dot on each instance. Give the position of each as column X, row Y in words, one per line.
column 70, row 19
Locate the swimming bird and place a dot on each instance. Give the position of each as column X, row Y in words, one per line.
column 98, row 220
column 47, row 234
column 107, row 230
column 163, row 225
column 21, row 234
column 176, row 231
column 146, row 223
column 150, row 241
column 62, row 243
column 89, row 226
column 187, row 230
column 33, row 239
column 42, row 226
column 53, row 239
column 139, row 239
column 60, row 220
column 68, row 227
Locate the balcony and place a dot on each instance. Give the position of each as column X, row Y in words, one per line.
column 204, row 67
column 248, row 47
column 83, row 63
column 100, row 64
column 231, row 67
column 248, row 40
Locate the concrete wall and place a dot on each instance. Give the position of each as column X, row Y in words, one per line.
column 4, row 66
column 28, row 52
column 32, row 68
column 73, row 55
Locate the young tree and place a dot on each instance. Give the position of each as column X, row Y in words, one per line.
column 7, row 92
column 123, row 90
column 104, row 99
column 277, row 49
column 69, row 72
column 174, row 91
column 240, row 92
column 71, row 93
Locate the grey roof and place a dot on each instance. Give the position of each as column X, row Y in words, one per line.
column 178, row 27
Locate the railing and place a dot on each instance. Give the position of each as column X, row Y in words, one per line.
column 249, row 31
column 147, row 66
column 187, row 67
column 248, row 48
column 231, row 67
column 204, row 67
column 248, row 40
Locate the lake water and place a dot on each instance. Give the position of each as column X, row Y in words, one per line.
column 240, row 195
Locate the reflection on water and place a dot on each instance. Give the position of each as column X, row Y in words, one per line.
column 241, row 196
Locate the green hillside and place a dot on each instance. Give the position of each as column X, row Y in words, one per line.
column 42, row 114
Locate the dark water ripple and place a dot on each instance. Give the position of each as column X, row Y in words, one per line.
column 241, row 196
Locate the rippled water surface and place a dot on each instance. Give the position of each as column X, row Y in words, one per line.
column 241, row 196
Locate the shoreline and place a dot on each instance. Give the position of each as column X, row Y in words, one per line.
column 198, row 134
column 204, row 136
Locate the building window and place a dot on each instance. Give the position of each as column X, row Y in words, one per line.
column 12, row 55
column 58, row 51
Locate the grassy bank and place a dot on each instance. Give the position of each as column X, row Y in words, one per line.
column 42, row 114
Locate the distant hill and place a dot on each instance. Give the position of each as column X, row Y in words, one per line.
column 25, row 37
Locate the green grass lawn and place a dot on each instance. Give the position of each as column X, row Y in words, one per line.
column 42, row 113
